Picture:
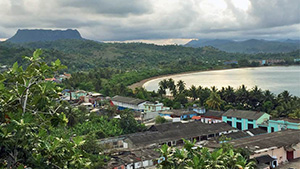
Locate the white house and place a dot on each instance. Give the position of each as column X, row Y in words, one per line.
column 128, row 103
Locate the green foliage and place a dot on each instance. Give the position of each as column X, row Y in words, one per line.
column 29, row 107
column 200, row 158
column 160, row 120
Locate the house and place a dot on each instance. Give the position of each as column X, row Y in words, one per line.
column 281, row 146
column 73, row 95
column 181, row 114
column 199, row 110
column 128, row 103
column 278, row 124
column 244, row 119
column 155, row 107
column 173, row 134
column 212, row 116
column 140, row 158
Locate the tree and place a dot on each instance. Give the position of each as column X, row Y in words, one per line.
column 193, row 92
column 199, row 158
column 242, row 95
column 160, row 120
column 214, row 101
column 29, row 104
column 181, row 86
column 229, row 95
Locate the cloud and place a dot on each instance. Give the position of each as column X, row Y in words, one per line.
column 111, row 7
column 152, row 19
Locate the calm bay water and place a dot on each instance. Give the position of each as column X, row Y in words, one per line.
column 275, row 79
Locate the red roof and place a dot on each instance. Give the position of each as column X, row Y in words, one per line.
column 196, row 117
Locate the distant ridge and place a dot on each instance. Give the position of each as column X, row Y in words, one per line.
column 248, row 46
column 35, row 35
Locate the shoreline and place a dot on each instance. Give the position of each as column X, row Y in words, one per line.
column 142, row 82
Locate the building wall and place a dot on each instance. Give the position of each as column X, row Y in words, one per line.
column 210, row 120
column 121, row 106
column 263, row 118
column 278, row 153
column 244, row 122
column 278, row 125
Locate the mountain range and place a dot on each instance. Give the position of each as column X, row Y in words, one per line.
column 248, row 46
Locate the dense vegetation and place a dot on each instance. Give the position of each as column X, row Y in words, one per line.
column 80, row 55
column 248, row 46
column 282, row 105
column 189, row 156
column 38, row 131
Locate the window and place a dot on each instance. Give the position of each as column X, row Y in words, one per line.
column 228, row 117
column 203, row 137
column 238, row 118
column 211, row 135
column 272, row 129
column 229, row 122
column 250, row 120
column 250, row 126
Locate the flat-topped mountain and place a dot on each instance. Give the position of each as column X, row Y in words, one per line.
column 34, row 35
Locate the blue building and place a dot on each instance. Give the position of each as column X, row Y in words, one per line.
column 278, row 124
column 244, row 120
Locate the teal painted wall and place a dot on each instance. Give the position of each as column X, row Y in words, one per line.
column 244, row 122
column 278, row 125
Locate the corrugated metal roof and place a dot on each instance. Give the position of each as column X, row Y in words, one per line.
column 243, row 114
column 127, row 100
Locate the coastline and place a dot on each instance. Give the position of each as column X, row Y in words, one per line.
column 142, row 82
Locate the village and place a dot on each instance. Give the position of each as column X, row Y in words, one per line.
column 272, row 142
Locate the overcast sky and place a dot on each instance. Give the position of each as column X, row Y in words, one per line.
column 174, row 21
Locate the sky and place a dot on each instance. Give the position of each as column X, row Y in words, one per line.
column 156, row 21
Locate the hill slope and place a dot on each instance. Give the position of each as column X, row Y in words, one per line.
column 248, row 46
column 85, row 54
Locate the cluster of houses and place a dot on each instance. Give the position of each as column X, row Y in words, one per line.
column 271, row 141
column 59, row 78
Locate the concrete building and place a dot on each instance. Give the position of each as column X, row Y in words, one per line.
column 212, row 116
column 180, row 114
column 128, row 103
column 281, row 146
column 243, row 119
column 155, row 107
column 278, row 124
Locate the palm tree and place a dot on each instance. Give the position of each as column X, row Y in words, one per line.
column 214, row 89
column 193, row 92
column 255, row 97
column 242, row 95
column 161, row 91
column 181, row 86
column 214, row 101
column 163, row 84
column 229, row 95
column 268, row 96
column 284, row 96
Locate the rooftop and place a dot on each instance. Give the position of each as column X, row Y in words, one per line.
column 175, row 131
column 287, row 119
column 243, row 114
column 282, row 138
column 178, row 112
column 128, row 100
column 213, row 113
